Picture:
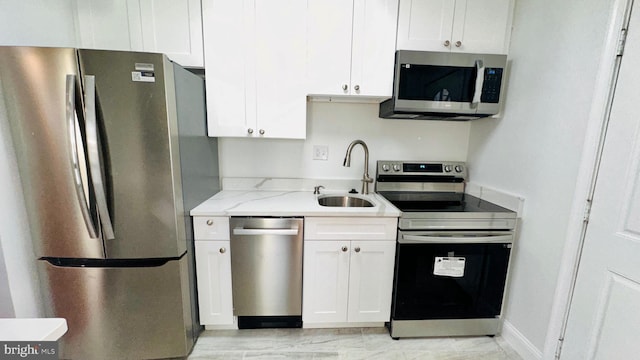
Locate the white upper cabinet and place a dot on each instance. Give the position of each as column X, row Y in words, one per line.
column 471, row 26
column 351, row 46
column 173, row 28
column 164, row 26
column 255, row 59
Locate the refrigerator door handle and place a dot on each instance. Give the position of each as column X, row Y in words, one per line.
column 93, row 150
column 70, row 96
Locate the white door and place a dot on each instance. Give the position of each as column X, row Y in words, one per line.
column 371, row 280
column 213, row 269
column 325, row 281
column 604, row 317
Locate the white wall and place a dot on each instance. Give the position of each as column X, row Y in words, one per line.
column 535, row 150
column 37, row 23
column 336, row 125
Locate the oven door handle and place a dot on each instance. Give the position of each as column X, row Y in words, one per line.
column 418, row 239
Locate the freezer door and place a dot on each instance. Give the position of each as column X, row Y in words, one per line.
column 120, row 312
column 40, row 88
column 139, row 158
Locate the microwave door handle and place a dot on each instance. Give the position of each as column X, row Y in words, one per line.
column 93, row 150
column 477, row 93
column 70, row 95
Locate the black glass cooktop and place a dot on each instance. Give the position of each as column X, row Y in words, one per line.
column 440, row 202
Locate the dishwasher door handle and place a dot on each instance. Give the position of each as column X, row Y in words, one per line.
column 258, row 232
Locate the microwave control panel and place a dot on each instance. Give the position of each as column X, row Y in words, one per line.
column 491, row 85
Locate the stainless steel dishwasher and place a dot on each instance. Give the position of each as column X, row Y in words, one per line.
column 266, row 271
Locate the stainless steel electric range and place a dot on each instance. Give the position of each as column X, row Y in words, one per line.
column 452, row 253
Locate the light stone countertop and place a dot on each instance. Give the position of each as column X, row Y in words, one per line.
column 288, row 203
column 46, row 329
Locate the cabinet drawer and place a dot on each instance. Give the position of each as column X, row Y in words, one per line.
column 346, row 228
column 211, row 227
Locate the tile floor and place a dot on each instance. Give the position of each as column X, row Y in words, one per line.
column 343, row 344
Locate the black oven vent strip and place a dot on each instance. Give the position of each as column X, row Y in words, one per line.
column 420, row 178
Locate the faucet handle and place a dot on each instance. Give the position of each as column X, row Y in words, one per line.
column 316, row 189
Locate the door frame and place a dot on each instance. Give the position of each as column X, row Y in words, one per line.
column 587, row 176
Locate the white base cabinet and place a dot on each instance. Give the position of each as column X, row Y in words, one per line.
column 348, row 279
column 213, row 270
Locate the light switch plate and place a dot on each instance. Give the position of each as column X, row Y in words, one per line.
column 320, row 152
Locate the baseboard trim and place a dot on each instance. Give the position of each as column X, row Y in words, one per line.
column 519, row 343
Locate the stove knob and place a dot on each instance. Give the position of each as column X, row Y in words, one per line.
column 458, row 168
column 385, row 167
column 396, row 167
column 447, row 168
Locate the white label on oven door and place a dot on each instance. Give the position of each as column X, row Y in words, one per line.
column 449, row 266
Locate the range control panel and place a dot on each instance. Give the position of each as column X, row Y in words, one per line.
column 431, row 168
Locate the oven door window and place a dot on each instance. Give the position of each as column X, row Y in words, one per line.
column 422, row 291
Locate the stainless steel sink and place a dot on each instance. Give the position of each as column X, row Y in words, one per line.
column 343, row 201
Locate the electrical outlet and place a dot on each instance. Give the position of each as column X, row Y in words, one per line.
column 320, row 152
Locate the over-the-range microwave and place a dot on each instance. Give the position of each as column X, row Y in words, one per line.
column 445, row 86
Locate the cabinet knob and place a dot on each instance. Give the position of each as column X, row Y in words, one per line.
column 250, row 131
column 458, row 43
column 447, row 43
column 358, row 249
column 209, row 222
column 344, row 249
column 356, row 88
column 261, row 131
column 223, row 250
column 345, row 87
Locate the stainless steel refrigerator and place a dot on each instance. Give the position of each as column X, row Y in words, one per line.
column 113, row 153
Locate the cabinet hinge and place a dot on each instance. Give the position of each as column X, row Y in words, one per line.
column 587, row 211
column 558, row 348
column 622, row 42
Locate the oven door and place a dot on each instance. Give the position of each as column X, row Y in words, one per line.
column 450, row 275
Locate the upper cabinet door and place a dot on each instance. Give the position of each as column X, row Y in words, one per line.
column 170, row 27
column 256, row 66
column 471, row 26
column 425, row 24
column 351, row 47
column 226, row 33
column 482, row 26
column 108, row 25
column 329, row 53
column 373, row 45
column 174, row 28
column 280, row 67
